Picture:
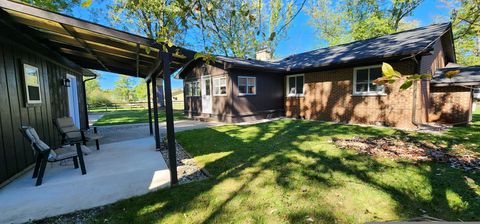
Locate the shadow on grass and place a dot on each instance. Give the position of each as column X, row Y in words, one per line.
column 288, row 171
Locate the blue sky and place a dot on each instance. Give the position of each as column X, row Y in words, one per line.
column 300, row 35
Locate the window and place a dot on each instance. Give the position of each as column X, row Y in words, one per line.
column 188, row 90
column 220, row 86
column 247, row 85
column 207, row 87
column 192, row 88
column 363, row 81
column 295, row 85
column 32, row 84
column 195, row 88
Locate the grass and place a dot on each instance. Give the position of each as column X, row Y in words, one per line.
column 288, row 171
column 132, row 117
column 177, row 105
column 468, row 136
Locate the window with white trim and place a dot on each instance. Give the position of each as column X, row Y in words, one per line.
column 220, row 86
column 247, row 85
column 295, row 85
column 195, row 88
column 32, row 84
column 192, row 88
column 363, row 78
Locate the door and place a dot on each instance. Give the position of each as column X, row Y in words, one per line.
column 73, row 100
column 206, row 83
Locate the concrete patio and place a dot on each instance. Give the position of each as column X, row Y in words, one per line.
column 119, row 170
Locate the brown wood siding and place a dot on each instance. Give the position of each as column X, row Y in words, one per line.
column 15, row 152
column 235, row 108
column 328, row 96
column 268, row 99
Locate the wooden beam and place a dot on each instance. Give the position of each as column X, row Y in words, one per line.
column 75, row 22
column 106, row 59
column 72, row 32
column 155, row 67
column 149, row 108
column 21, row 32
column 138, row 57
column 172, row 151
column 102, row 51
column 86, row 63
column 155, row 112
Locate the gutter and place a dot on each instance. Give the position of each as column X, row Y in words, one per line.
column 414, row 102
column 85, row 98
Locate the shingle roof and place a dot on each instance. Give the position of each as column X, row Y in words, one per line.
column 398, row 44
column 467, row 76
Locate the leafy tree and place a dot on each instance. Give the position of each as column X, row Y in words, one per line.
column 163, row 20
column 140, row 91
column 465, row 15
column 95, row 95
column 123, row 90
column 344, row 21
column 54, row 5
column 239, row 28
column 230, row 27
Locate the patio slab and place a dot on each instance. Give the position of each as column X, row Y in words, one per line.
column 118, row 171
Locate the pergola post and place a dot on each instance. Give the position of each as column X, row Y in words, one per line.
column 172, row 155
column 149, row 108
column 155, row 113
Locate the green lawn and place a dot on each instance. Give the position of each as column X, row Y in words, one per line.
column 132, row 117
column 288, row 171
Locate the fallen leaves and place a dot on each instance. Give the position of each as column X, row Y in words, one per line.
column 396, row 148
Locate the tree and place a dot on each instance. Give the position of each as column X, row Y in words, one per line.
column 54, row 5
column 95, row 95
column 123, row 90
column 465, row 16
column 239, row 28
column 349, row 20
column 140, row 91
column 230, row 27
column 162, row 20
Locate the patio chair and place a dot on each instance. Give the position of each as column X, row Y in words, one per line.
column 44, row 154
column 70, row 132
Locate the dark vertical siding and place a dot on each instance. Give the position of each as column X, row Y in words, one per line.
column 232, row 107
column 15, row 152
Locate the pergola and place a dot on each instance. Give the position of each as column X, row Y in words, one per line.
column 92, row 46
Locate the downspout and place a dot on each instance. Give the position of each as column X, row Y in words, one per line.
column 85, row 99
column 414, row 102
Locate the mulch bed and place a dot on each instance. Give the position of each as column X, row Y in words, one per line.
column 408, row 148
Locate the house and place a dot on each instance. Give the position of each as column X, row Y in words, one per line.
column 45, row 60
column 335, row 83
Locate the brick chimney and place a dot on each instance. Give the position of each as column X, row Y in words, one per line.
column 264, row 55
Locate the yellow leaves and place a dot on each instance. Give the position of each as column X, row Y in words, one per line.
column 86, row 3
column 391, row 76
column 388, row 71
column 451, row 74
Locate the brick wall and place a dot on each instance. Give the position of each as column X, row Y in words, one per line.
column 450, row 104
column 328, row 96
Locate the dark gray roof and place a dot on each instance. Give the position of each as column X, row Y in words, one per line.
column 467, row 76
column 398, row 44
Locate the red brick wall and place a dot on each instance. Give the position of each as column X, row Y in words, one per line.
column 450, row 104
column 328, row 96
